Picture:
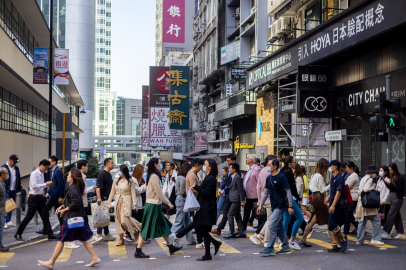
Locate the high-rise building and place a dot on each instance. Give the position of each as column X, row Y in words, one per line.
column 105, row 107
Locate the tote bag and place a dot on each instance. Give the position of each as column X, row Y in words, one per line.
column 191, row 203
column 371, row 199
column 101, row 216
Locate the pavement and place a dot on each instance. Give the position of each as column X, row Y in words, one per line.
column 233, row 254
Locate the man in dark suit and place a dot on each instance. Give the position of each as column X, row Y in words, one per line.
column 236, row 197
column 13, row 184
column 56, row 192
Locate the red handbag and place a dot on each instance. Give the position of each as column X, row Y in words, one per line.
column 347, row 194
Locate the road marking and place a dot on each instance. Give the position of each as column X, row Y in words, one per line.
column 351, row 249
column 222, row 254
column 380, row 246
column 255, row 253
column 36, row 242
column 116, row 260
column 5, row 257
column 319, row 250
column 152, row 258
column 226, row 248
column 65, row 255
column 317, row 242
column 80, row 262
column 117, row 252
column 160, row 241
column 383, row 248
column 186, row 256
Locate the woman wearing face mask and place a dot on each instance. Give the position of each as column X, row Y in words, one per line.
column 320, row 210
column 396, row 185
column 169, row 188
column 124, row 192
column 154, row 224
column 364, row 214
column 384, row 192
column 353, row 183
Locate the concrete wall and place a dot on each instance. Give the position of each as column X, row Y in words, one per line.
column 129, row 113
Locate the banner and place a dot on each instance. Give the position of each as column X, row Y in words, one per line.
column 160, row 134
column 179, row 102
column 200, row 141
column 75, row 147
column 40, row 66
column 61, row 66
column 174, row 21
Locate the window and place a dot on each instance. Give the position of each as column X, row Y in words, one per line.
column 136, row 126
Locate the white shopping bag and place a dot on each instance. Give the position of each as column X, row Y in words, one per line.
column 191, row 203
column 101, row 216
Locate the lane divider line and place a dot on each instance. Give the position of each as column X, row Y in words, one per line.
column 380, row 246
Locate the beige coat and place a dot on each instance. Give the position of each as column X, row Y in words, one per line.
column 365, row 185
column 154, row 191
column 127, row 193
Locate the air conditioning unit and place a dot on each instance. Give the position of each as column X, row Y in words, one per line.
column 273, row 32
column 283, row 25
column 203, row 21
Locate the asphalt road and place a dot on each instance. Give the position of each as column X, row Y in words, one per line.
column 234, row 254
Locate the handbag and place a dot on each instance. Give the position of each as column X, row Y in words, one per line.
column 76, row 222
column 371, row 199
column 262, row 213
column 382, row 215
column 10, row 205
column 191, row 203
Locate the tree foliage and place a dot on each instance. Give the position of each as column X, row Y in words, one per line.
column 93, row 168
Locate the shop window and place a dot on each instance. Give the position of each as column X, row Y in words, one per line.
column 352, row 147
column 331, row 8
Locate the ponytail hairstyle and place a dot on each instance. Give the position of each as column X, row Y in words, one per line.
column 352, row 165
column 152, row 169
column 287, row 160
column 395, row 175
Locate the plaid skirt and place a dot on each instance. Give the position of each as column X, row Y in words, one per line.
column 69, row 235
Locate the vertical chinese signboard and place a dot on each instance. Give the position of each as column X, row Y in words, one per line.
column 179, row 97
column 159, row 132
column 145, row 118
column 174, row 21
column 61, row 66
column 40, row 66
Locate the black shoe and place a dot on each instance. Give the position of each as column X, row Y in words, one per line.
column 217, row 247
column 40, row 232
column 139, row 254
column 344, row 245
column 3, row 249
column 173, row 249
column 18, row 238
column 334, row 249
column 241, row 235
column 305, row 244
column 147, row 241
column 230, row 235
column 204, row 258
column 52, row 237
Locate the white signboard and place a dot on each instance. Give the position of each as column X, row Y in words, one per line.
column 61, row 66
column 334, row 135
column 160, row 133
column 145, row 135
column 75, row 147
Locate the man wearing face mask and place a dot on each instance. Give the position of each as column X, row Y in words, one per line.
column 338, row 207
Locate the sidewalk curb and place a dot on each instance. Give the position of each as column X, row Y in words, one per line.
column 55, row 227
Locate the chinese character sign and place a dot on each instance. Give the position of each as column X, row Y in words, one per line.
column 40, row 66
column 179, row 97
column 145, row 134
column 158, row 86
column 159, row 132
column 61, row 66
column 145, row 101
column 174, row 21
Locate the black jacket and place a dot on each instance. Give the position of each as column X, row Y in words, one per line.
column 207, row 215
column 291, row 181
column 399, row 188
column 18, row 179
column 74, row 201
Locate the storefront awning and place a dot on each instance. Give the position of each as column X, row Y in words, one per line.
column 194, row 152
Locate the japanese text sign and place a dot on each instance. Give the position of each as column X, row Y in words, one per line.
column 179, row 97
column 173, row 21
column 40, row 66
column 61, row 66
column 160, row 134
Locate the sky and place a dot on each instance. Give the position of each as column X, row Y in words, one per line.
column 133, row 45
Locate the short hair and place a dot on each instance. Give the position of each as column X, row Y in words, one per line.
column 172, row 165
column 269, row 157
column 3, row 171
column 258, row 161
column 197, row 161
column 264, row 164
column 235, row 166
column 82, row 163
column 106, row 161
column 232, row 157
column 225, row 168
column 253, row 157
column 275, row 162
column 54, row 159
column 44, row 162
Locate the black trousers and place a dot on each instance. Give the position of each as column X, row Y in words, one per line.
column 187, row 229
column 349, row 218
column 138, row 215
column 224, row 219
column 204, row 231
column 36, row 203
column 249, row 204
column 54, row 203
column 235, row 212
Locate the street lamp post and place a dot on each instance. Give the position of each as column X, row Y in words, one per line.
column 51, row 75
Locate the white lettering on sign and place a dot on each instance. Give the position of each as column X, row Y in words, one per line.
column 366, row 96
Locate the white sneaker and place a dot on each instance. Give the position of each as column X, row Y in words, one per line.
column 254, row 240
column 165, row 243
column 11, row 224
column 376, row 243
column 174, row 240
column 385, row 236
column 109, row 237
column 201, row 245
column 266, row 244
column 400, row 236
column 362, row 243
column 96, row 239
column 293, row 245
column 5, row 226
column 71, row 245
column 260, row 238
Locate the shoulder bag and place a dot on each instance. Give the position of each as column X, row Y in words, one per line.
column 371, row 199
column 75, row 222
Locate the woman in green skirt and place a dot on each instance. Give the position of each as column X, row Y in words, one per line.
column 154, row 224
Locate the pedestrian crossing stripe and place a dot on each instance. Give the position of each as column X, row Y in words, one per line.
column 380, row 246
column 5, row 257
column 226, row 248
column 116, row 252
column 317, row 242
column 65, row 255
column 160, row 242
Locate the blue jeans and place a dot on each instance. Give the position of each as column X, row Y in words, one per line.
column 182, row 218
column 276, row 228
column 376, row 228
column 299, row 219
column 221, row 202
column 1, row 230
column 11, row 194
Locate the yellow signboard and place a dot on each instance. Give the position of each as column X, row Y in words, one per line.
column 265, row 122
column 238, row 145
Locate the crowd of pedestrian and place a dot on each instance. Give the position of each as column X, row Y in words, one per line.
column 277, row 193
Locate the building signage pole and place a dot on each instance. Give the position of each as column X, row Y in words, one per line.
column 389, row 150
column 51, row 76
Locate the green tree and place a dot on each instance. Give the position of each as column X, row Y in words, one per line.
column 93, row 168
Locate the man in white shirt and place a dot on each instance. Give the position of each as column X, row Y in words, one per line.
column 36, row 201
